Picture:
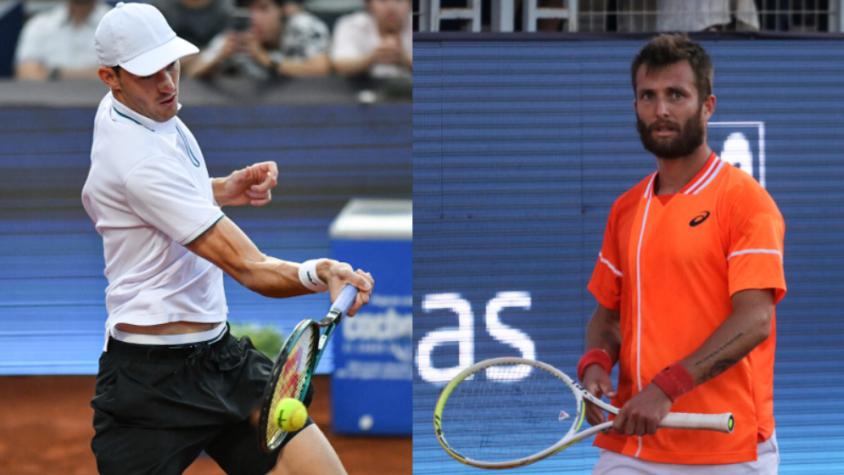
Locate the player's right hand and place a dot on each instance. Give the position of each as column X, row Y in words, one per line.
column 338, row 274
column 597, row 382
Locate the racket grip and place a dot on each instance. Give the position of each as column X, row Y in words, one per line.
column 684, row 420
column 344, row 300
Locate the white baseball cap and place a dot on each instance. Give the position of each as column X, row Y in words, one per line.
column 136, row 37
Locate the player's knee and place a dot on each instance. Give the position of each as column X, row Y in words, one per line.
column 292, row 435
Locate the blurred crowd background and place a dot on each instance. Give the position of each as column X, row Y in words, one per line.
column 261, row 41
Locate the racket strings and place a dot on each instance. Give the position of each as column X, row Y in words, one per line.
column 293, row 377
column 508, row 411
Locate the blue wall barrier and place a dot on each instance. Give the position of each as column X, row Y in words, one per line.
column 52, row 305
column 520, row 147
column 372, row 380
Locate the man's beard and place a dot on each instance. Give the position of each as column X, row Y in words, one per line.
column 689, row 138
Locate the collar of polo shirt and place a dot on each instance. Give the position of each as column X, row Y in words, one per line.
column 123, row 111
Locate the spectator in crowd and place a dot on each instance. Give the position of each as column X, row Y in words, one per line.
column 377, row 41
column 275, row 38
column 197, row 21
column 59, row 43
column 707, row 15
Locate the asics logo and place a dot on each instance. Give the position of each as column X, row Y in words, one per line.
column 699, row 219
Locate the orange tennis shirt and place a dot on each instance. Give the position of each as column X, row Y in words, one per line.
column 669, row 265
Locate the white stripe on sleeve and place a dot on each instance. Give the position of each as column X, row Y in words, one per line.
column 755, row 251
column 610, row 265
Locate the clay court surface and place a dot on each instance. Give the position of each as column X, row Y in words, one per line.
column 45, row 428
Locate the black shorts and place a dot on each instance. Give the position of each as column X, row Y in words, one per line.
column 156, row 408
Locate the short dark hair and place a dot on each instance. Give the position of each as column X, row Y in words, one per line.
column 667, row 49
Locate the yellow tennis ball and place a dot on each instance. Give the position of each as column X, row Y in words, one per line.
column 290, row 414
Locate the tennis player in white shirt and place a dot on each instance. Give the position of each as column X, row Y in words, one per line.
column 172, row 381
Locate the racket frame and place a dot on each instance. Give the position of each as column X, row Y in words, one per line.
column 335, row 313
column 269, row 444
column 717, row 422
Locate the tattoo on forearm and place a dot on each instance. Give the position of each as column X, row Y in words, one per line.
column 719, row 350
column 719, row 367
column 722, row 364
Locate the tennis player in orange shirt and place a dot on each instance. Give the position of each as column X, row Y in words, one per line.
column 686, row 281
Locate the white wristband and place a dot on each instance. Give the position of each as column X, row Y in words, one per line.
column 309, row 278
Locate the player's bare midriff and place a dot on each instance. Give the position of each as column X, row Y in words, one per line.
column 171, row 328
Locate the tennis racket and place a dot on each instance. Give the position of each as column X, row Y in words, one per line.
column 295, row 365
column 509, row 412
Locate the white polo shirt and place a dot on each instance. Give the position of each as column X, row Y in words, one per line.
column 149, row 194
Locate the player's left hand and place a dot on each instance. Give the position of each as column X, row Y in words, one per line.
column 643, row 412
column 251, row 185
column 338, row 274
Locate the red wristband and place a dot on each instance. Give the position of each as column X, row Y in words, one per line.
column 674, row 381
column 594, row 356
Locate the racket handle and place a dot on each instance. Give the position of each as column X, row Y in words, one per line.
column 344, row 300
column 684, row 420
